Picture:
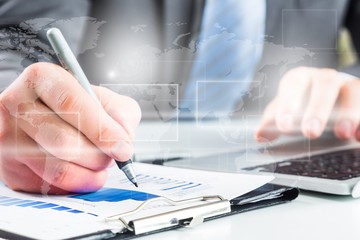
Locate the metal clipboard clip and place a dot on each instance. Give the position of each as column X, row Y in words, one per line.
column 208, row 206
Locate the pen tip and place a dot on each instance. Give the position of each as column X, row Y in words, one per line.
column 136, row 185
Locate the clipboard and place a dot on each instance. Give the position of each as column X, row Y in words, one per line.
column 146, row 214
column 205, row 209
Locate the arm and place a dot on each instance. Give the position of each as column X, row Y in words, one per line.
column 22, row 32
column 318, row 97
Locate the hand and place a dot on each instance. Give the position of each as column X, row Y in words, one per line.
column 307, row 99
column 54, row 137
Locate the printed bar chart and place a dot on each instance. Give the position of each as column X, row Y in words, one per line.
column 167, row 184
column 114, row 195
column 24, row 203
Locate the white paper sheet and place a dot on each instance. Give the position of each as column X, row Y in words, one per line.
column 59, row 217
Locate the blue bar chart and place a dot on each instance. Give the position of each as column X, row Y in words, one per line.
column 103, row 195
column 114, row 195
column 167, row 184
column 158, row 185
column 24, row 203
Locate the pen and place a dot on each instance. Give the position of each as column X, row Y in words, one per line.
column 69, row 62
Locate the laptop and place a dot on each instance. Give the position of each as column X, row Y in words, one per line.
column 325, row 165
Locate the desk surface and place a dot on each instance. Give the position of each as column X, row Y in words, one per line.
column 310, row 216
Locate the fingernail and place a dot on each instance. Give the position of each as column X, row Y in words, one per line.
column 286, row 122
column 122, row 151
column 346, row 129
column 265, row 135
column 262, row 139
column 260, row 136
column 313, row 128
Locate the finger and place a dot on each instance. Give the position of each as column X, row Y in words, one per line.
column 357, row 133
column 19, row 177
column 348, row 114
column 324, row 92
column 267, row 130
column 57, row 137
column 122, row 109
column 14, row 173
column 60, row 91
column 66, row 175
column 292, row 91
column 58, row 174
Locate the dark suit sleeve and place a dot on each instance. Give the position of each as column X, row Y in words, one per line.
column 23, row 26
column 352, row 21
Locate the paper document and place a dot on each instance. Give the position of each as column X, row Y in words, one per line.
column 60, row 217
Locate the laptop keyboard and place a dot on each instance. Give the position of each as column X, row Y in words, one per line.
column 339, row 165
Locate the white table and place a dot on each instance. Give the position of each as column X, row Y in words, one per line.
column 310, row 216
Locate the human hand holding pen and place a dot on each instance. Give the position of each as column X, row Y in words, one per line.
column 54, row 137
